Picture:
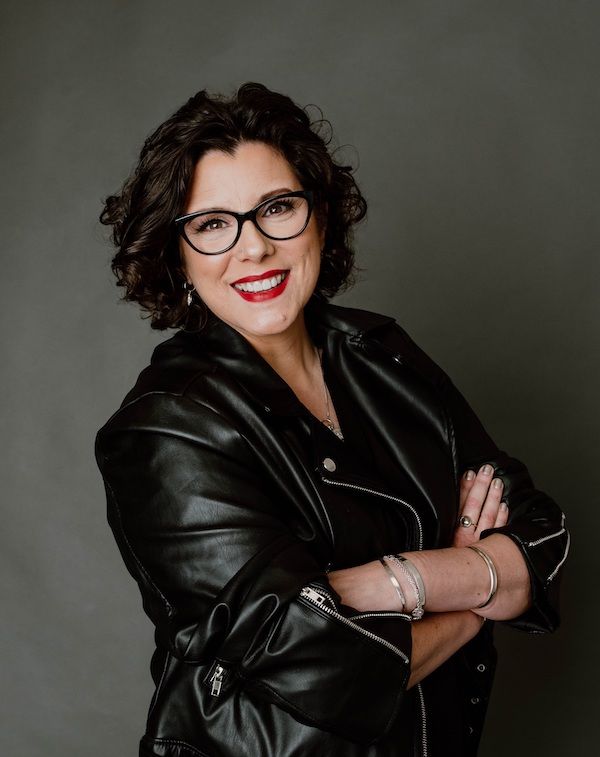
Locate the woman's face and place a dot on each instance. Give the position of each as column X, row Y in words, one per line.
column 239, row 182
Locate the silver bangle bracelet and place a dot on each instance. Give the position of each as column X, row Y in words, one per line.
column 493, row 575
column 395, row 583
column 415, row 580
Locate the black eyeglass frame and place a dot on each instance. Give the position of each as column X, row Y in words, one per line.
column 308, row 195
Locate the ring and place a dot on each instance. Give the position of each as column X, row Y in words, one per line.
column 465, row 521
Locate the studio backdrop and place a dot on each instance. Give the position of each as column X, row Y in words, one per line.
column 473, row 130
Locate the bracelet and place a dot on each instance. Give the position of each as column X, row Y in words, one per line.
column 415, row 581
column 493, row 575
column 394, row 581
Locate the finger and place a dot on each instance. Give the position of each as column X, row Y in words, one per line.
column 466, row 484
column 477, row 494
column 491, row 506
column 502, row 517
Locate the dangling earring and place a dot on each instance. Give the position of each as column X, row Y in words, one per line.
column 189, row 292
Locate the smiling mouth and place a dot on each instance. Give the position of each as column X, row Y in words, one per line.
column 264, row 285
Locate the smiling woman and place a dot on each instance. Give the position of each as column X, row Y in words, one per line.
column 319, row 524
column 285, row 232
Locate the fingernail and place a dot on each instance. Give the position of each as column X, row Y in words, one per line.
column 486, row 469
column 503, row 507
column 470, row 475
column 497, row 483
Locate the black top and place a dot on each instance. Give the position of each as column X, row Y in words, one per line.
column 360, row 519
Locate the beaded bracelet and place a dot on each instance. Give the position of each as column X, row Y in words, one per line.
column 415, row 580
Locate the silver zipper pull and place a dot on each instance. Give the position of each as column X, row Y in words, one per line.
column 217, row 680
column 313, row 595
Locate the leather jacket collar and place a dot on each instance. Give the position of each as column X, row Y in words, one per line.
column 231, row 350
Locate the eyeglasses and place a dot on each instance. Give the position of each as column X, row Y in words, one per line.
column 212, row 232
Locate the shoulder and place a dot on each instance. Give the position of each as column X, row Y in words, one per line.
column 160, row 390
column 383, row 332
column 174, row 364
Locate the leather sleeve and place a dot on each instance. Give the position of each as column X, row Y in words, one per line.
column 536, row 523
column 221, row 573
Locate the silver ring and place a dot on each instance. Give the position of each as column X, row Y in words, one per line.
column 466, row 521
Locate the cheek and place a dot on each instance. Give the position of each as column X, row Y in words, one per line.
column 205, row 268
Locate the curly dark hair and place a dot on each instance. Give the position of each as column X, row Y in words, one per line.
column 148, row 260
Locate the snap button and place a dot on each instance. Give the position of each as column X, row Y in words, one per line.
column 481, row 667
column 329, row 464
column 474, row 700
column 470, row 730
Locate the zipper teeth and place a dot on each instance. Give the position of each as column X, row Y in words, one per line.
column 388, row 496
column 423, row 720
column 550, row 536
column 374, row 613
column 545, row 538
column 555, row 571
column 383, row 613
column 306, row 593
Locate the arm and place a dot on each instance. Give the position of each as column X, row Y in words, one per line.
column 221, row 573
column 436, row 637
column 535, row 523
column 528, row 541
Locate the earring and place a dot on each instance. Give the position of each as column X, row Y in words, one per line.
column 189, row 292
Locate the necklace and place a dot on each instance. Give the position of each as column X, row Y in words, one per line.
column 327, row 421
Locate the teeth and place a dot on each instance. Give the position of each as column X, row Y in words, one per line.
column 261, row 286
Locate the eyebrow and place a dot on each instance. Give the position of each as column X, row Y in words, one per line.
column 265, row 196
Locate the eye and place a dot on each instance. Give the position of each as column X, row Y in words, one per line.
column 279, row 207
column 208, row 225
column 204, row 225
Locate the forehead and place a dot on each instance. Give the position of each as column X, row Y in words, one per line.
column 240, row 178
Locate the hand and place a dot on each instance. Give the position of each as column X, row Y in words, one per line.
column 480, row 500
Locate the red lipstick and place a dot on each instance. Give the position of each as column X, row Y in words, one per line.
column 265, row 275
column 267, row 294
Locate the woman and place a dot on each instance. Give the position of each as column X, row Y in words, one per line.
column 318, row 523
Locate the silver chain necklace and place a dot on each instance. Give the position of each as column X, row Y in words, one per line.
column 327, row 421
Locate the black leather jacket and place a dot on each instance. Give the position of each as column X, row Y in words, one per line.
column 213, row 496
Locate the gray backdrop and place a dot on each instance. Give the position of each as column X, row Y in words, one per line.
column 476, row 125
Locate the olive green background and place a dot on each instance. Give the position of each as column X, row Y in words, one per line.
column 474, row 126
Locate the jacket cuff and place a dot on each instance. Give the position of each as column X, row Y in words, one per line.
column 544, row 557
column 356, row 687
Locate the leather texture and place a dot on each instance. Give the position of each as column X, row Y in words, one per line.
column 214, row 498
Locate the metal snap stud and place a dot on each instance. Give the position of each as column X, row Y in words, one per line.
column 474, row 700
column 329, row 464
column 481, row 667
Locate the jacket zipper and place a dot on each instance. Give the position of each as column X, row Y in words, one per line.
column 318, row 598
column 423, row 721
column 550, row 536
column 216, row 679
column 406, row 504
column 387, row 496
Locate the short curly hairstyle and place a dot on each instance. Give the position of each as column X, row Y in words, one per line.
column 148, row 262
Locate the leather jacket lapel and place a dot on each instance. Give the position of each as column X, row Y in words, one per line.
column 407, row 421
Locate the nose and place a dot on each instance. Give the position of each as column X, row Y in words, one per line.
column 252, row 244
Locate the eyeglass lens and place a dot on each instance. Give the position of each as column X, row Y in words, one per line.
column 214, row 232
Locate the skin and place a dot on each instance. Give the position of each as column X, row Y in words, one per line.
column 456, row 578
column 274, row 327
